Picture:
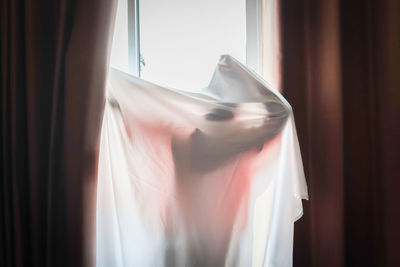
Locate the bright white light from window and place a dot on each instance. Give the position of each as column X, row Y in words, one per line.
column 119, row 52
column 181, row 40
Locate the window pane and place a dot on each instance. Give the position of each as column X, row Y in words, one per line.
column 181, row 40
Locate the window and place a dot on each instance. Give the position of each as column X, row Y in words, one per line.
column 177, row 43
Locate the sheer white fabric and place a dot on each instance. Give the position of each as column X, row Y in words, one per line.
column 207, row 179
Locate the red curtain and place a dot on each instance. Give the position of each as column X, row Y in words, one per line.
column 341, row 73
column 53, row 71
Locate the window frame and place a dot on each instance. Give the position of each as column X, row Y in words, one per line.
column 253, row 30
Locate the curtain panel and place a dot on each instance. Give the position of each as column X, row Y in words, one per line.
column 53, row 72
column 341, row 62
column 270, row 42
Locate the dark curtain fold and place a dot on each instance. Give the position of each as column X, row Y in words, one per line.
column 53, row 71
column 341, row 73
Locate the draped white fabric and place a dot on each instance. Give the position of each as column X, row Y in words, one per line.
column 207, row 179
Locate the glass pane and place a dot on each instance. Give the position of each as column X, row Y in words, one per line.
column 182, row 40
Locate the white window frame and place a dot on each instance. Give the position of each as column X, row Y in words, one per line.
column 133, row 37
column 252, row 36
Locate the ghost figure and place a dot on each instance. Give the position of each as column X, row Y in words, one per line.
column 213, row 178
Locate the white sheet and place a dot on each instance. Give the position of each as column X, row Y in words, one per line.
column 208, row 179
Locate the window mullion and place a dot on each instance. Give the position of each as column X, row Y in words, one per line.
column 134, row 37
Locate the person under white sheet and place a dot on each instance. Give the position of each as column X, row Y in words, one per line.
column 198, row 179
